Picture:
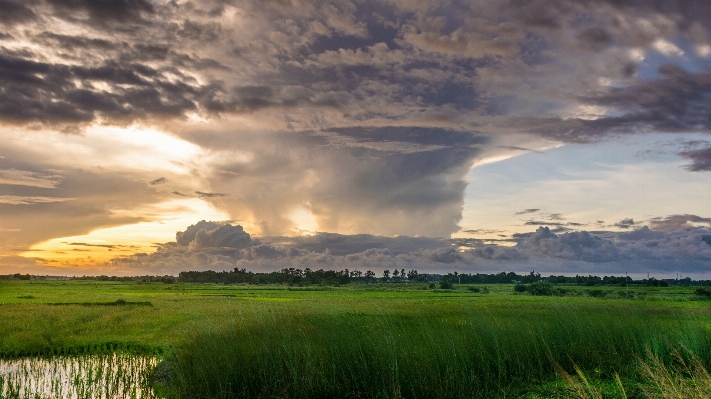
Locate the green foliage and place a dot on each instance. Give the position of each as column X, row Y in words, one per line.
column 354, row 341
column 541, row 288
column 433, row 352
column 446, row 285
column 538, row 288
column 597, row 293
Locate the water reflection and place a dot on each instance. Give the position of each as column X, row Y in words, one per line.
column 114, row 376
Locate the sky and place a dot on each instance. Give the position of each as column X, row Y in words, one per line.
column 152, row 137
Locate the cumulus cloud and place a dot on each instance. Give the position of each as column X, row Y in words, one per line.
column 223, row 246
column 203, row 235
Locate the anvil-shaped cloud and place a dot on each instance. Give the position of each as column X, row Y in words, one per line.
column 364, row 117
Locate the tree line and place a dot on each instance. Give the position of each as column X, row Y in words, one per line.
column 307, row 276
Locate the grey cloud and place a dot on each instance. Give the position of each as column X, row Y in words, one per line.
column 643, row 233
column 496, row 252
column 210, row 195
column 157, row 181
column 483, row 231
column 674, row 102
column 205, row 235
column 678, row 222
column 526, row 211
column 29, row 200
column 12, row 12
column 573, row 245
column 343, row 183
column 541, row 223
column 625, row 223
column 341, row 244
column 700, row 159
column 28, row 178
column 202, row 247
column 43, row 92
column 118, row 10
column 430, row 87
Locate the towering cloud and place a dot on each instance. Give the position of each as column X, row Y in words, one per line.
column 352, row 117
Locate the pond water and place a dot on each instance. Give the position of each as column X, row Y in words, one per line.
column 113, row 376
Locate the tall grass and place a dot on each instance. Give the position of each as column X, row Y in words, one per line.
column 458, row 352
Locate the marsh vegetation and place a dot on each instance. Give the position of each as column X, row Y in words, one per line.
column 368, row 341
column 110, row 376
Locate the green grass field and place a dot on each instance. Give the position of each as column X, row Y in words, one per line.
column 361, row 341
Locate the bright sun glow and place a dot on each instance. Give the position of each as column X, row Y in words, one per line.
column 109, row 147
column 104, row 244
column 304, row 220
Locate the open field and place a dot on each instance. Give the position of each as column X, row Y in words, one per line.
column 401, row 340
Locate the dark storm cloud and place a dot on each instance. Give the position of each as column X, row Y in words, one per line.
column 700, row 159
column 43, row 92
column 403, row 186
column 369, row 114
column 677, row 101
column 118, row 10
column 12, row 12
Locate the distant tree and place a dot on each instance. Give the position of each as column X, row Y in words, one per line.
column 386, row 274
column 412, row 275
column 369, row 275
column 396, row 273
column 402, row 273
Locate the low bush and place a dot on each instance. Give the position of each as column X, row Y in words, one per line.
column 596, row 293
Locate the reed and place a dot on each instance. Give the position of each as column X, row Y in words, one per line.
column 459, row 352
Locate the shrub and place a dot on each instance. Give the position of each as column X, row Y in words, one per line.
column 520, row 288
column 559, row 291
column 475, row 289
column 597, row 293
column 703, row 291
column 540, row 289
column 446, row 285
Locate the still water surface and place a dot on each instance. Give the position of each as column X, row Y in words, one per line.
column 114, row 376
